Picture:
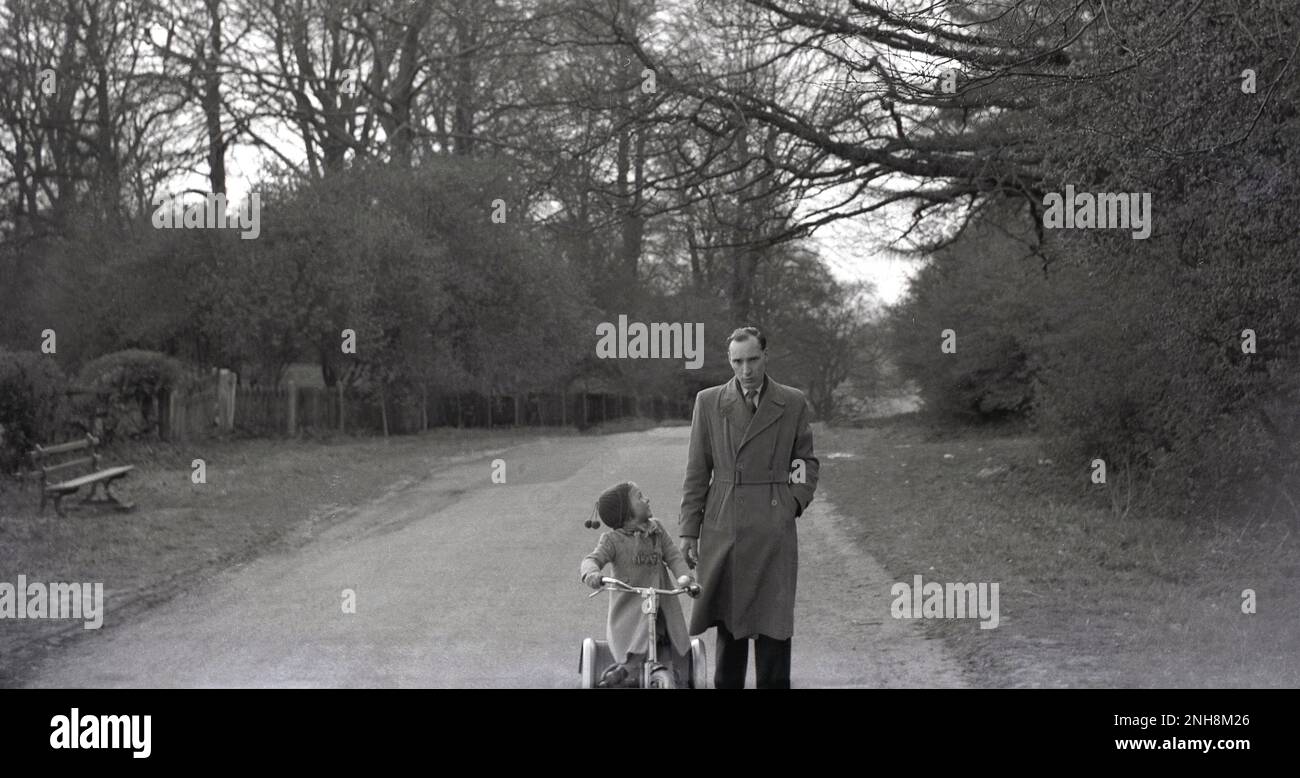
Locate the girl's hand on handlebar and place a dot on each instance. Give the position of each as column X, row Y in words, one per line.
column 594, row 579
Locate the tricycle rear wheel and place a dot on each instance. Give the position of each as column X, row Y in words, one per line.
column 587, row 664
column 699, row 665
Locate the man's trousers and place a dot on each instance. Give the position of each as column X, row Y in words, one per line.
column 771, row 661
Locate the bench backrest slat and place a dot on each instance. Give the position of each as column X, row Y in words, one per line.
column 62, row 448
column 42, row 457
column 71, row 463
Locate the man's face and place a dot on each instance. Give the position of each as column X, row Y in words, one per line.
column 748, row 362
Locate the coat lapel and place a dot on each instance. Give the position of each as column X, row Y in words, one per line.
column 770, row 409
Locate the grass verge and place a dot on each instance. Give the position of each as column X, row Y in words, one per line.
column 1086, row 599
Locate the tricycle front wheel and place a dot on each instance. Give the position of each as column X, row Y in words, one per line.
column 660, row 678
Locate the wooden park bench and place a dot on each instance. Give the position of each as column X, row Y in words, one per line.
column 44, row 460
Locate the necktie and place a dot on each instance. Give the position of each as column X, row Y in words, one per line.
column 751, row 399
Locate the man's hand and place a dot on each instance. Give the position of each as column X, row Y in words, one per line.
column 691, row 550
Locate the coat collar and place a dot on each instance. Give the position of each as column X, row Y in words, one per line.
column 650, row 531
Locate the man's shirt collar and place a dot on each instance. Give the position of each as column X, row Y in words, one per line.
column 761, row 388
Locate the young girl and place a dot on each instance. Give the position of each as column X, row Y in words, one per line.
column 641, row 552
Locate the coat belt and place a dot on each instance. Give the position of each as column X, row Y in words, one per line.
column 754, row 476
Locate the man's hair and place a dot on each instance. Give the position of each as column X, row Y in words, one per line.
column 742, row 334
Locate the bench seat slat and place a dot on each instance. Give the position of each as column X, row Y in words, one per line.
column 102, row 475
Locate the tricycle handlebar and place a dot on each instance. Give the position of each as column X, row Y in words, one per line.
column 615, row 585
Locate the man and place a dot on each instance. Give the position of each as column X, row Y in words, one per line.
column 750, row 473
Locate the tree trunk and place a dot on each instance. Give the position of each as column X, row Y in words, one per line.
column 210, row 99
column 697, row 270
column 462, row 124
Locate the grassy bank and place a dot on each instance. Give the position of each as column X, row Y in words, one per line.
column 261, row 496
column 1086, row 598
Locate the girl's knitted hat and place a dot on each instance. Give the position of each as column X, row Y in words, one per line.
column 614, row 506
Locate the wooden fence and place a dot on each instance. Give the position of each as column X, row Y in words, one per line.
column 290, row 410
column 191, row 415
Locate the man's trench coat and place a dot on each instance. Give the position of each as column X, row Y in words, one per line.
column 738, row 500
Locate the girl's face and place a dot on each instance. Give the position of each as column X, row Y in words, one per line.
column 640, row 505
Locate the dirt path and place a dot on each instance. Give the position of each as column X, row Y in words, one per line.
column 481, row 593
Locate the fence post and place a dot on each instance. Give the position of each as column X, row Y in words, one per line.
column 339, row 384
column 293, row 409
column 173, row 416
column 226, row 399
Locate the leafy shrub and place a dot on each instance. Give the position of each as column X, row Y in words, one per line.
column 132, row 384
column 32, row 404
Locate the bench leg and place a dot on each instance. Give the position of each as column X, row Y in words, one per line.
column 58, row 506
column 118, row 502
column 101, row 493
column 94, row 490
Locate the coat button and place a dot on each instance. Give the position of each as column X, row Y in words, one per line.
column 774, row 503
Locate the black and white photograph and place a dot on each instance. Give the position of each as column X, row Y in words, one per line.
column 672, row 344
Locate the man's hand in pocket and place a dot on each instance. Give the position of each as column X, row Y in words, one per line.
column 691, row 550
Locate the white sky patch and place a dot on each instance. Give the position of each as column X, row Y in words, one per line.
column 853, row 251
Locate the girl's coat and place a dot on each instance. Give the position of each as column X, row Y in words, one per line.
column 638, row 558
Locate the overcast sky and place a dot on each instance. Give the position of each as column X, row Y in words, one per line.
column 854, row 249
